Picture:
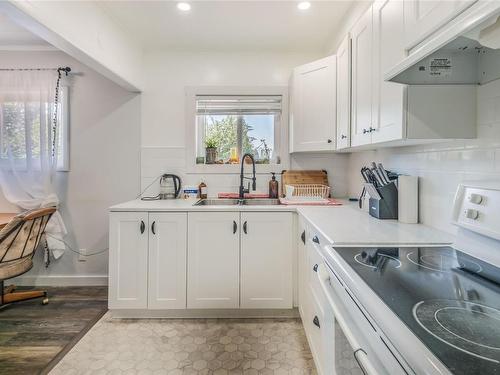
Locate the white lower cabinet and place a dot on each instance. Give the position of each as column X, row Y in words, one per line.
column 316, row 314
column 213, row 260
column 266, row 260
column 201, row 260
column 167, row 260
column 128, row 260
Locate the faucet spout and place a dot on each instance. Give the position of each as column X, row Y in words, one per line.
column 242, row 176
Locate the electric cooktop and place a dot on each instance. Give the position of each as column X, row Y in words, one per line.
column 449, row 299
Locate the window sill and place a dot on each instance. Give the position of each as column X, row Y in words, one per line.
column 234, row 168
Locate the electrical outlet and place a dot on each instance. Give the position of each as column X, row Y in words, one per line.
column 82, row 255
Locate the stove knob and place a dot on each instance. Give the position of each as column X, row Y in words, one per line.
column 471, row 214
column 475, row 198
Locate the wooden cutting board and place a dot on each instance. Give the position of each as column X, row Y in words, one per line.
column 303, row 177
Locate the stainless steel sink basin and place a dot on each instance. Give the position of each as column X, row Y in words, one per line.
column 238, row 202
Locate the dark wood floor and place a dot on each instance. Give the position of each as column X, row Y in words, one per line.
column 34, row 337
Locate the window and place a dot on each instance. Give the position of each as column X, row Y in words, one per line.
column 21, row 132
column 228, row 126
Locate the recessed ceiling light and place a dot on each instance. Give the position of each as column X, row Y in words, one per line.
column 183, row 6
column 304, row 5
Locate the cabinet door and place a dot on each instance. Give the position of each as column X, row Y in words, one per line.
column 361, row 119
column 167, row 260
column 388, row 99
column 213, row 260
column 266, row 260
column 314, row 106
column 302, row 264
column 128, row 260
column 422, row 17
column 344, row 94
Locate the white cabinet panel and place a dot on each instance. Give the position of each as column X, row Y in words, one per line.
column 167, row 260
column 422, row 17
column 314, row 106
column 388, row 49
column 362, row 71
column 302, row 264
column 213, row 260
column 128, row 260
column 266, row 260
column 343, row 133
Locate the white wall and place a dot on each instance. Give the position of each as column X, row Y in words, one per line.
column 104, row 163
column 441, row 167
column 163, row 111
column 86, row 32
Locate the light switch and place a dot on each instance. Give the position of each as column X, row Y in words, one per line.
column 471, row 214
column 475, row 198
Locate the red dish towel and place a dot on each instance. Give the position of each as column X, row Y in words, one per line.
column 329, row 202
column 247, row 195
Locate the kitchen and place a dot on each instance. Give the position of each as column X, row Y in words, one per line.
column 377, row 251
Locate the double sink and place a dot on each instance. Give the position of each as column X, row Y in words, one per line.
column 238, row 202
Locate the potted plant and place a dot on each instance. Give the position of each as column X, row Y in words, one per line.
column 210, row 150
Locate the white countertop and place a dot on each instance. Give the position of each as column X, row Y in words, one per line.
column 344, row 225
column 347, row 225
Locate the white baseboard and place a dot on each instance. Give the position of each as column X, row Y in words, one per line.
column 84, row 280
column 204, row 314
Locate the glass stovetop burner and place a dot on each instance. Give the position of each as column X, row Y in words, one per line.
column 379, row 259
column 442, row 262
column 470, row 327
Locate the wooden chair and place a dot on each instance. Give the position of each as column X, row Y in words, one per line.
column 19, row 240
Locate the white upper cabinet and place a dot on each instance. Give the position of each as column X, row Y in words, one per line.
column 213, row 260
column 384, row 112
column 128, row 260
column 422, row 17
column 362, row 79
column 313, row 106
column 267, row 244
column 343, row 139
column 388, row 49
column 167, row 260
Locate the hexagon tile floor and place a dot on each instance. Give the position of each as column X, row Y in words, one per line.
column 190, row 346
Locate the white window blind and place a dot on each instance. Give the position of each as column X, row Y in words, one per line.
column 238, row 105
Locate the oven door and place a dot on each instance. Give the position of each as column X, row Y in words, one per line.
column 359, row 349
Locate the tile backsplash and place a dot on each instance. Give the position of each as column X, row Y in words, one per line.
column 442, row 166
column 158, row 160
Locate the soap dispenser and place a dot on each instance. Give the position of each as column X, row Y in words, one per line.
column 273, row 187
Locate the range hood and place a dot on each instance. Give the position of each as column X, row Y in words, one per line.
column 466, row 51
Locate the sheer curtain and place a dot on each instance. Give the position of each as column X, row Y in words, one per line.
column 29, row 141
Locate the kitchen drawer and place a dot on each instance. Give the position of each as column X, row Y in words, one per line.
column 318, row 325
column 314, row 259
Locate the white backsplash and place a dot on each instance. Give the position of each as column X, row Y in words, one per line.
column 441, row 167
column 158, row 160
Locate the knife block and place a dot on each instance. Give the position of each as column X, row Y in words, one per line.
column 387, row 206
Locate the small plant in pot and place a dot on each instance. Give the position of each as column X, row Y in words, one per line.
column 210, row 151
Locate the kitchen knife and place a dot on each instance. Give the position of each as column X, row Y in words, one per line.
column 379, row 179
column 384, row 172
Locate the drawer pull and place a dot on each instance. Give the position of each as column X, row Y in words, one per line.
column 316, row 321
column 142, row 227
column 235, row 227
column 245, row 227
column 316, row 239
column 153, row 227
column 315, row 268
column 303, row 237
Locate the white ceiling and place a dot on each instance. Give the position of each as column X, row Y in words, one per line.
column 14, row 37
column 230, row 25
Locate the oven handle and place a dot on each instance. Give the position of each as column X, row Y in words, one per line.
column 359, row 354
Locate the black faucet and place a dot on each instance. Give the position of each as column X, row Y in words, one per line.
column 242, row 177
